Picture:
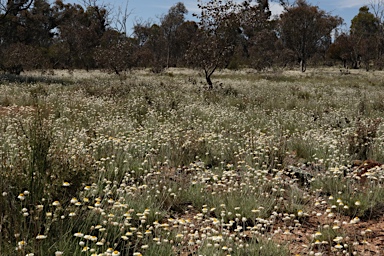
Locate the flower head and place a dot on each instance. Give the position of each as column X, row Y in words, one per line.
column 41, row 237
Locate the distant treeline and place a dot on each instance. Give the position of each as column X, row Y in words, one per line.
column 37, row 34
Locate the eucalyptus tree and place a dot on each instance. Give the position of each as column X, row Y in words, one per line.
column 80, row 30
column 306, row 30
column 366, row 34
column 25, row 32
column 170, row 24
column 215, row 40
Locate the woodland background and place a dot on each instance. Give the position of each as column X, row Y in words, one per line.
column 37, row 34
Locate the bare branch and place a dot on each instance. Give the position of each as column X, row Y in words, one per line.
column 122, row 18
column 14, row 7
column 377, row 7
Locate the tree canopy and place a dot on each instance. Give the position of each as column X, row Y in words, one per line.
column 306, row 30
column 224, row 34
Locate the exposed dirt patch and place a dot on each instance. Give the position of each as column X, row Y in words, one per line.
column 14, row 110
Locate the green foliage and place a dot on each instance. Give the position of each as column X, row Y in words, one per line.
column 43, row 35
column 306, row 38
column 364, row 23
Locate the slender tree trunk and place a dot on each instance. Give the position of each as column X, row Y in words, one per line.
column 168, row 50
column 209, row 81
column 303, row 66
column 208, row 74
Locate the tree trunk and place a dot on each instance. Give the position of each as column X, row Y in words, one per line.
column 303, row 66
column 208, row 74
column 355, row 64
column 168, row 50
column 209, row 82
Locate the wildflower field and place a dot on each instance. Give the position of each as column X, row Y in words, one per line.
column 279, row 163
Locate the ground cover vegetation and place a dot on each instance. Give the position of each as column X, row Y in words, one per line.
column 270, row 163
